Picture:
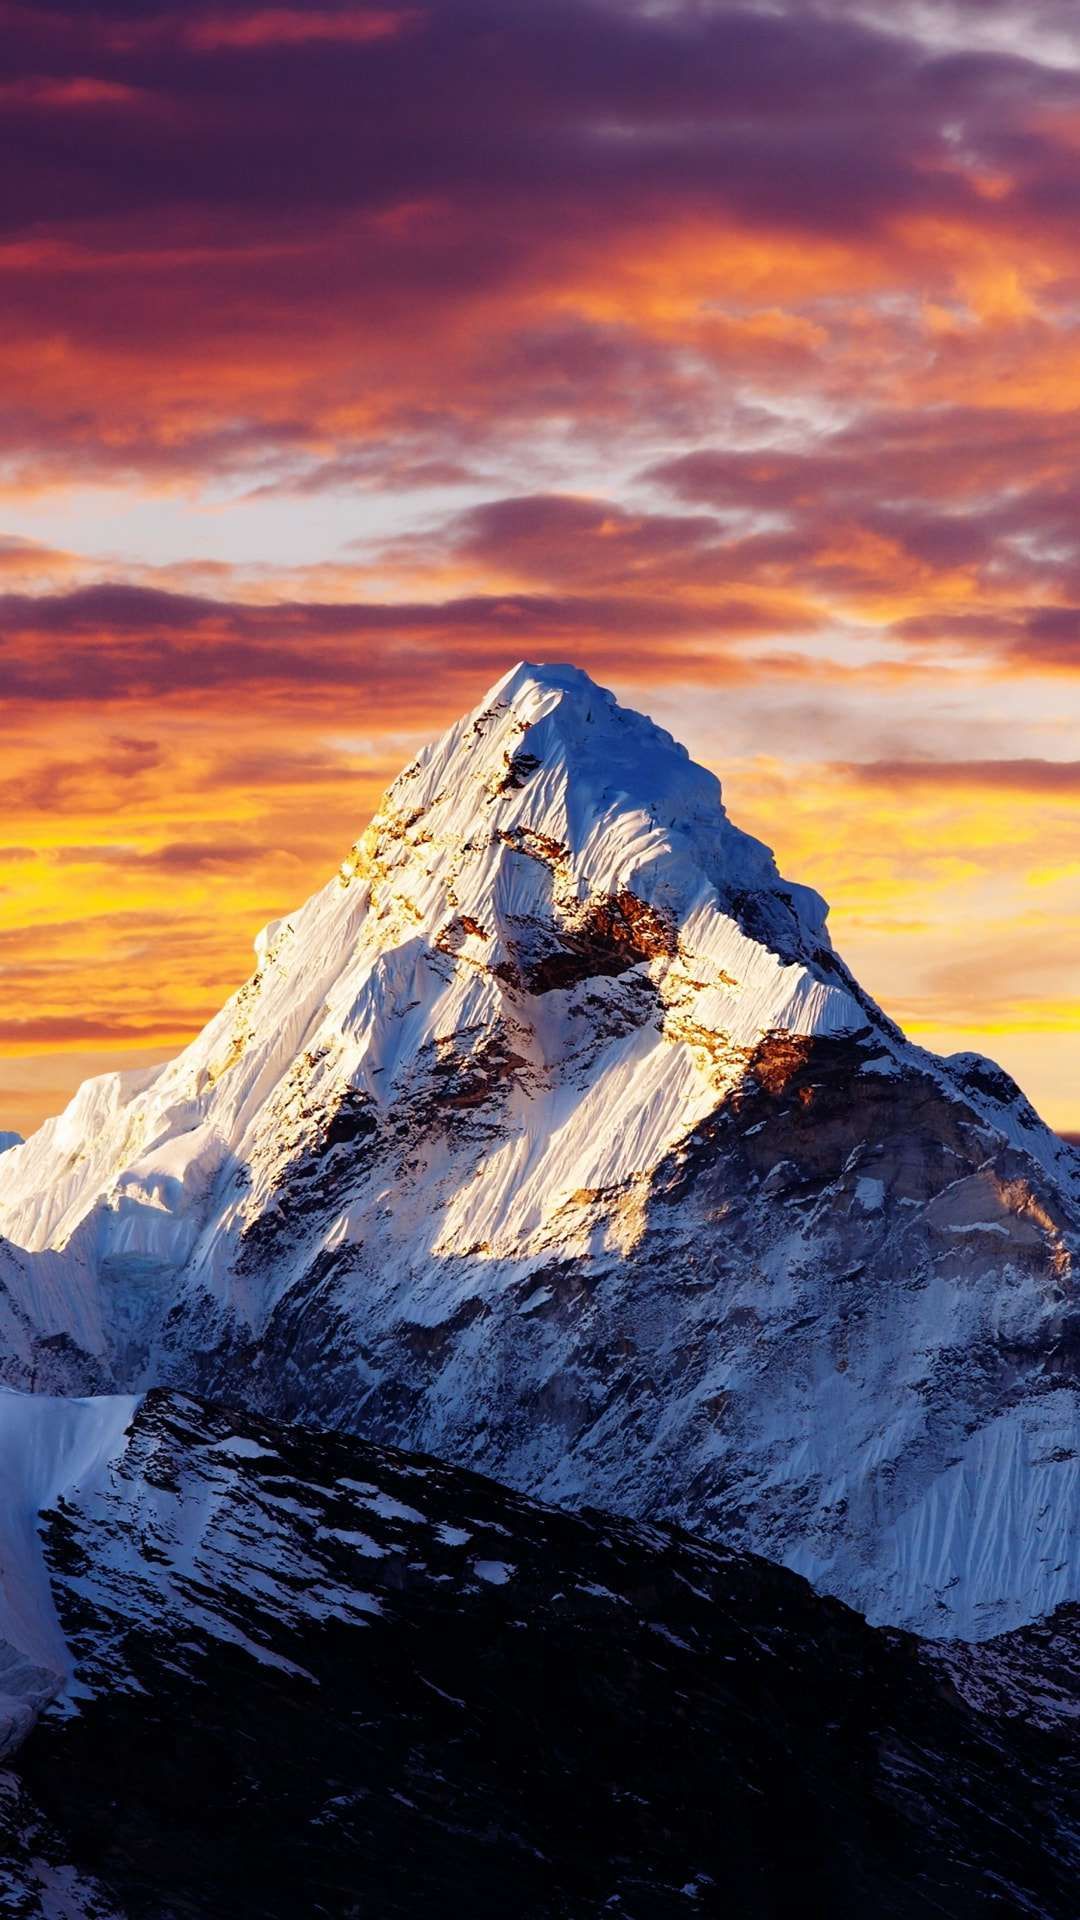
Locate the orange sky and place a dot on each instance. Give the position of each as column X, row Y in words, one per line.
column 351, row 353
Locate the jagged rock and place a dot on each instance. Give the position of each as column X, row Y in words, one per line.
column 311, row 1676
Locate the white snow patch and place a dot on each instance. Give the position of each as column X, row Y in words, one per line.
column 495, row 1572
column 665, row 1633
column 451, row 1536
column 361, row 1541
column 382, row 1503
column 239, row 1447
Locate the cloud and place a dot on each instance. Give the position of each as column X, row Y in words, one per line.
column 72, row 1030
column 57, row 785
column 688, row 195
column 729, row 350
column 567, row 540
column 294, row 27
column 1010, row 776
column 175, row 856
column 123, row 644
column 967, row 529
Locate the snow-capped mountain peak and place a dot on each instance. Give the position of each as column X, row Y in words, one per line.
column 550, row 841
column 552, row 1135
column 550, row 753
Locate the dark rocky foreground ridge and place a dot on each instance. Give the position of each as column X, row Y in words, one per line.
column 315, row 1677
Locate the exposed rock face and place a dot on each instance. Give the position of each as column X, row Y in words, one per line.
column 552, row 1136
column 312, row 1676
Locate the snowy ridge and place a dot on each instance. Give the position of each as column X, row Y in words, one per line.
column 552, row 1136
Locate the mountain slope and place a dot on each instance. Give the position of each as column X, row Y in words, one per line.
column 553, row 1137
column 48, row 1447
column 500, row 1708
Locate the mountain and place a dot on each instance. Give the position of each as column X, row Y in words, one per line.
column 553, row 1137
column 311, row 1676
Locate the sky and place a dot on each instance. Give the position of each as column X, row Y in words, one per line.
column 350, row 353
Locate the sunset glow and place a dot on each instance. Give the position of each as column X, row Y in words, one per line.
column 351, row 353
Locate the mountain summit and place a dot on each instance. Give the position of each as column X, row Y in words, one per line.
column 552, row 1136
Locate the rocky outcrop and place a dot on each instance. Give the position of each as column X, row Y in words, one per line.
column 317, row 1676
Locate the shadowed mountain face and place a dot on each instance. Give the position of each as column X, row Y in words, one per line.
column 315, row 1677
column 553, row 1137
